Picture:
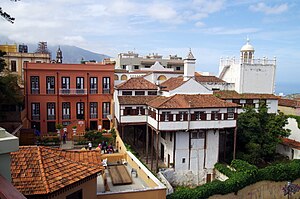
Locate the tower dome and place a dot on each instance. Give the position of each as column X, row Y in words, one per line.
column 247, row 47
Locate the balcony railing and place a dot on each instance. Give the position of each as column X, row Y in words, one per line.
column 51, row 117
column 66, row 117
column 72, row 91
column 93, row 115
column 35, row 117
column 50, row 91
column 35, row 90
column 106, row 90
column 93, row 91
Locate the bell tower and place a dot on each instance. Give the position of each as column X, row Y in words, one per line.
column 247, row 52
column 59, row 56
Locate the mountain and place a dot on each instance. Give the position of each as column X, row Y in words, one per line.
column 71, row 54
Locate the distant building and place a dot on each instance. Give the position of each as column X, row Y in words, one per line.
column 16, row 58
column 131, row 61
column 69, row 94
column 249, row 74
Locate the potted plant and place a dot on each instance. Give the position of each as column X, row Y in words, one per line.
column 58, row 128
column 74, row 128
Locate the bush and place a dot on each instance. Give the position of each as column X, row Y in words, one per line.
column 245, row 174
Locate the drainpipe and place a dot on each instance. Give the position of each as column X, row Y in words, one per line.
column 57, row 97
column 87, row 101
column 157, row 134
column 188, row 130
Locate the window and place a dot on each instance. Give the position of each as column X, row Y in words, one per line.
column 13, row 66
column 106, row 85
column 127, row 110
column 215, row 115
column 93, row 110
column 136, row 67
column 66, row 110
column 65, row 85
column 93, row 85
column 51, row 127
column 147, row 66
column 249, row 103
column 230, row 113
column 126, row 92
column 35, row 84
column 198, row 135
column 183, row 160
column 50, row 80
column 35, row 111
column 139, row 92
column 182, row 116
column 80, row 110
column 262, row 101
column 237, row 101
column 140, row 110
column 166, row 116
column 50, row 111
column 178, row 68
column 105, row 109
column 152, row 92
column 124, row 67
column 197, row 115
column 79, row 85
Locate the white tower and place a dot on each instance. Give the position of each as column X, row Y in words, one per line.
column 249, row 75
column 189, row 66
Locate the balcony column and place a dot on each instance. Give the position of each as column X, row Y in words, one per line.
column 157, row 134
column 152, row 145
column 147, row 143
column 234, row 142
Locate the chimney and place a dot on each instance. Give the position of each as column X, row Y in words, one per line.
column 189, row 66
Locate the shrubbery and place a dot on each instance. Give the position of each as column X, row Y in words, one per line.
column 245, row 174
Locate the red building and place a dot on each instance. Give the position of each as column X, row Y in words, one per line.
column 68, row 93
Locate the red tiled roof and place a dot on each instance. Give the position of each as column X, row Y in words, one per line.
column 291, row 143
column 172, row 83
column 43, row 170
column 202, row 78
column 131, row 100
column 137, row 83
column 235, row 95
column 289, row 103
column 189, row 101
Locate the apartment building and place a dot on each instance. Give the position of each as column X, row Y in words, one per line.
column 68, row 94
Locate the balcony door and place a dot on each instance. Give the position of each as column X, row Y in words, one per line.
column 80, row 110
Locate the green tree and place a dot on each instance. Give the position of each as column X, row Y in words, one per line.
column 2, row 61
column 259, row 133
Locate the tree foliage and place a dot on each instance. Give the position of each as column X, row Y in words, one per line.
column 7, row 16
column 259, row 133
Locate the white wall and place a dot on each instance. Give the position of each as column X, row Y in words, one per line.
column 182, row 151
column 212, row 148
column 295, row 131
column 191, row 87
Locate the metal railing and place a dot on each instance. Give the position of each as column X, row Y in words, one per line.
column 72, row 91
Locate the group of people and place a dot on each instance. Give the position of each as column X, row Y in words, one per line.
column 105, row 147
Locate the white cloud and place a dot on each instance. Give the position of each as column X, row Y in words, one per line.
column 231, row 31
column 262, row 7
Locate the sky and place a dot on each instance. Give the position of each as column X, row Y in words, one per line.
column 211, row 28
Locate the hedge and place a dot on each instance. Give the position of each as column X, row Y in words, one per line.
column 245, row 175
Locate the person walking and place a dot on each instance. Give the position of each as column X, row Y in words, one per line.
column 90, row 146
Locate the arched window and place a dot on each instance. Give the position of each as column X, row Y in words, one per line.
column 162, row 78
column 123, row 77
column 116, row 77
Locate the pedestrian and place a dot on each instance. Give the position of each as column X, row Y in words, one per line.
column 64, row 137
column 104, row 145
column 100, row 147
column 90, row 146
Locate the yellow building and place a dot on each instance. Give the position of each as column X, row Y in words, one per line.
column 16, row 58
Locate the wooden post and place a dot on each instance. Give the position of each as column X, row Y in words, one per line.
column 152, row 143
column 147, row 143
column 157, row 133
column 234, row 142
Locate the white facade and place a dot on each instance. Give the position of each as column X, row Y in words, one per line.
column 249, row 75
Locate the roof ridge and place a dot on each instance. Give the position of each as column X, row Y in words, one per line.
column 43, row 174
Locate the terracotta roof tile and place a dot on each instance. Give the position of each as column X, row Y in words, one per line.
column 44, row 170
column 137, row 83
column 235, row 95
column 131, row 100
column 172, row 83
column 189, row 101
column 291, row 143
column 202, row 78
column 289, row 103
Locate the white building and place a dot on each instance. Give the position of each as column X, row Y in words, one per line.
column 248, row 74
column 180, row 119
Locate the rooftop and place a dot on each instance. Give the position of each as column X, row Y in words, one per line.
column 190, row 101
column 137, row 83
column 235, row 95
column 291, row 143
column 289, row 103
column 43, row 170
column 131, row 100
